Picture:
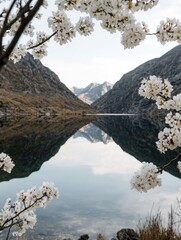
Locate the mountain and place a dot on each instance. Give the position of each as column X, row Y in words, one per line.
column 93, row 134
column 92, row 92
column 124, row 98
column 28, row 87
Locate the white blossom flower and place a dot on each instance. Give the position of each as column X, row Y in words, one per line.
column 83, row 5
column 161, row 102
column 26, row 220
column 157, row 89
column 110, row 24
column 45, row 3
column 18, row 53
column 169, row 30
column 38, row 16
column 169, row 138
column 179, row 166
column 133, row 35
column 124, row 19
column 173, row 119
column 66, row 4
column 174, row 103
column 143, row 5
column 6, row 163
column 14, row 27
column 63, row 27
column 40, row 51
column 146, row 178
column 29, row 30
column 177, row 102
column 166, row 89
column 150, row 87
column 85, row 26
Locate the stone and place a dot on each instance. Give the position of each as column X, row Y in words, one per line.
column 84, row 237
column 127, row 234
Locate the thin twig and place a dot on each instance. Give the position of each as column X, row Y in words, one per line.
column 45, row 40
column 9, row 230
column 161, row 168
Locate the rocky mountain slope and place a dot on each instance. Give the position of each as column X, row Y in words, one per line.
column 92, row 92
column 28, row 85
column 124, row 98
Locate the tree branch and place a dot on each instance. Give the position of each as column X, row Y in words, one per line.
column 5, row 55
column 8, row 13
column 4, row 25
column 9, row 230
column 23, row 210
column 45, row 40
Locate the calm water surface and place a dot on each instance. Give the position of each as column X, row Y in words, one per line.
column 93, row 175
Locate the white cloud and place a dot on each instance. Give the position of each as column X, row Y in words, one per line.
column 100, row 158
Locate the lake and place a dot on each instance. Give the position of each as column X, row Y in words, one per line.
column 91, row 164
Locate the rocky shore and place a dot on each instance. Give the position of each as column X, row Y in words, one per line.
column 123, row 234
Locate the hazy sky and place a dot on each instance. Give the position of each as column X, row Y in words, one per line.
column 101, row 57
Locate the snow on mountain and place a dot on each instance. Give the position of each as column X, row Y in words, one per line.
column 92, row 92
column 93, row 134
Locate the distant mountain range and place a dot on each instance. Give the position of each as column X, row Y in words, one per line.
column 92, row 92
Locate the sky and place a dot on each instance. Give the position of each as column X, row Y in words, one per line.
column 101, row 57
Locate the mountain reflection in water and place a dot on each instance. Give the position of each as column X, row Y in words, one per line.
column 137, row 135
column 93, row 179
column 93, row 134
column 31, row 143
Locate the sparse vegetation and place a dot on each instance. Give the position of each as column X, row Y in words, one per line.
column 158, row 228
column 14, row 103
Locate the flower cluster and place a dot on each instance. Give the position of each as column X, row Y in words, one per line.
column 41, row 49
column 18, row 53
column 62, row 26
column 6, row 163
column 146, row 178
column 170, row 138
column 173, row 119
column 117, row 15
column 21, row 213
column 169, row 30
column 85, row 26
column 160, row 90
column 155, row 88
